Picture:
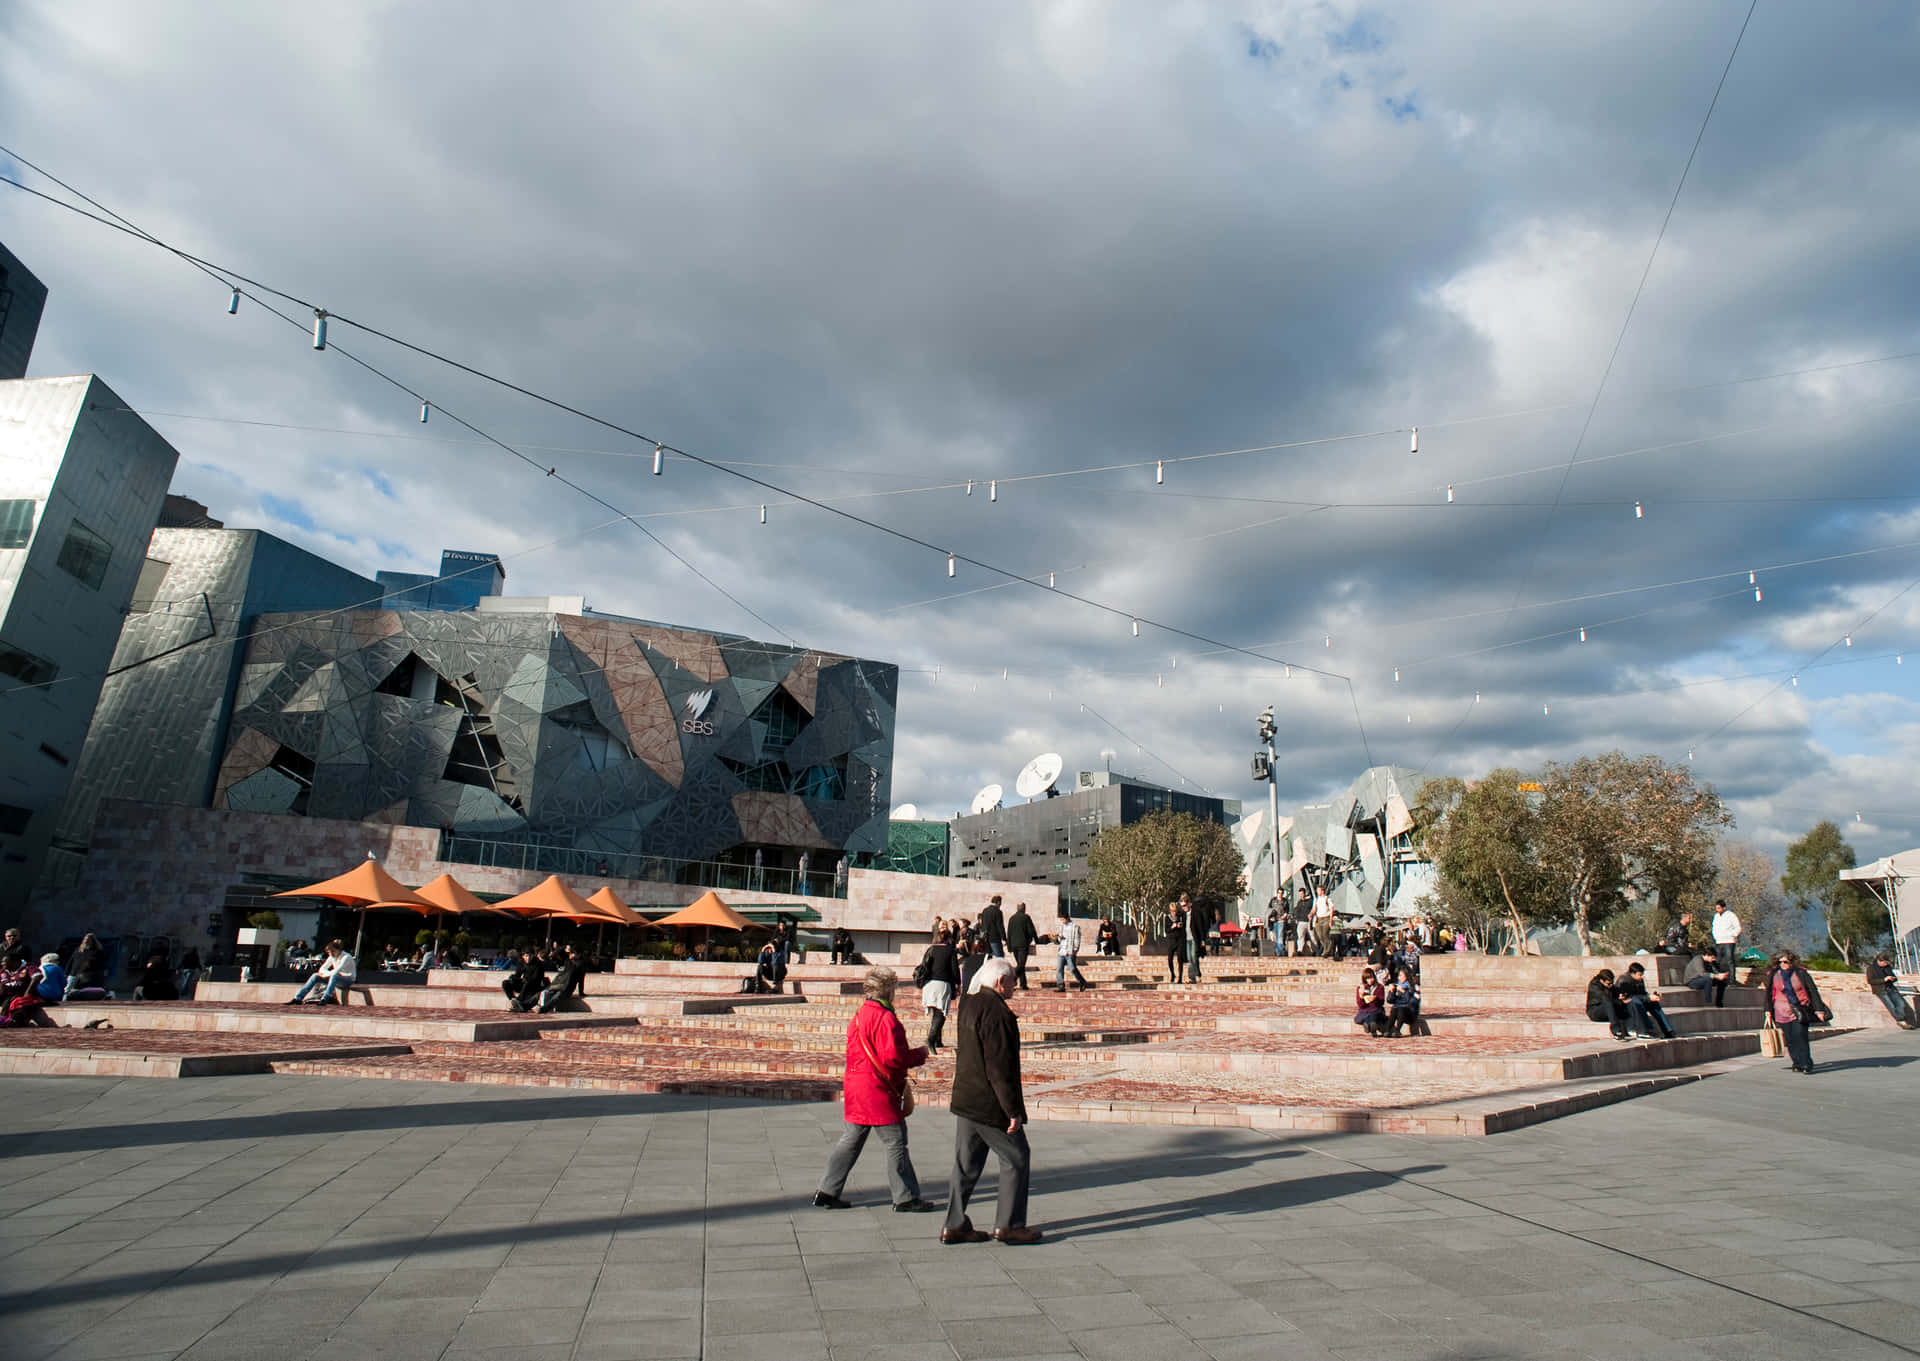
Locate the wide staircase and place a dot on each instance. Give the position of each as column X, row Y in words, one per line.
column 1263, row 1043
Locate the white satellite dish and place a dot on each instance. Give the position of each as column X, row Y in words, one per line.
column 906, row 812
column 1038, row 775
column 987, row 799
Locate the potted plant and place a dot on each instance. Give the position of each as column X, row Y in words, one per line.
column 262, row 928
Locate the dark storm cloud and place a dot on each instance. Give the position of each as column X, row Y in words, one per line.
column 885, row 248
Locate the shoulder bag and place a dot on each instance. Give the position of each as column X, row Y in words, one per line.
column 906, row 1083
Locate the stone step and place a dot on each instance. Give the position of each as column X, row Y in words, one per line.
column 485, row 999
column 1547, row 1029
column 365, row 1022
column 1423, row 1059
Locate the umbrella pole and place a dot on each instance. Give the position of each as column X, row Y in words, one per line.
column 360, row 935
column 599, row 934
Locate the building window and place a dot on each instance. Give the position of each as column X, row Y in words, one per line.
column 84, row 556
column 14, row 819
column 25, row 667
column 16, row 523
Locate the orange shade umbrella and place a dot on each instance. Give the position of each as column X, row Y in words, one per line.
column 608, row 903
column 448, row 894
column 551, row 897
column 707, row 910
column 364, row 884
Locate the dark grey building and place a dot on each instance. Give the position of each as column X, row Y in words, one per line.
column 538, row 736
column 22, row 299
column 1046, row 841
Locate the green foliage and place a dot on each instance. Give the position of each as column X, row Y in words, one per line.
column 264, row 920
column 1635, row 929
column 1137, row 870
column 1615, row 828
column 1831, row 964
column 1485, row 849
column 1852, row 920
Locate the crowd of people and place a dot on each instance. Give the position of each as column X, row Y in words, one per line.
column 1387, row 998
column 31, row 983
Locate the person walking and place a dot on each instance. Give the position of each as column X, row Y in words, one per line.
column 1322, row 923
column 993, row 928
column 1176, row 942
column 1068, row 957
column 1021, row 936
column 1794, row 1003
column 939, row 979
column 1726, row 936
column 989, row 1111
column 1196, row 923
column 873, row 1100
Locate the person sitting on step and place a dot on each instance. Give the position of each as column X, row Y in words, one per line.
column 771, row 971
column 1647, row 1017
column 1709, row 977
column 1603, row 1004
column 524, row 985
column 1371, row 1000
column 1403, row 1005
column 570, row 980
column 336, row 973
column 1884, row 983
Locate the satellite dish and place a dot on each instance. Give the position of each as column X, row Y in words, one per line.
column 906, row 812
column 1038, row 775
column 987, row 799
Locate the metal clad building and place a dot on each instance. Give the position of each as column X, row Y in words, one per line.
column 1046, row 841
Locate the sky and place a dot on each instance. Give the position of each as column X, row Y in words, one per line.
column 869, row 253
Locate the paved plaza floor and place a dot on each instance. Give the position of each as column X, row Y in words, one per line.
column 1755, row 1215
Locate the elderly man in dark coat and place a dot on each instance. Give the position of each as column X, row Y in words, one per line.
column 989, row 1113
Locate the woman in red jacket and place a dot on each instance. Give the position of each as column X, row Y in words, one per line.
column 877, row 1063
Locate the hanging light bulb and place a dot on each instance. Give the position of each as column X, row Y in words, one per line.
column 1049, row 581
column 1159, row 472
column 1176, row 663
column 969, row 486
column 1583, row 635
column 1159, row 682
column 1756, row 595
column 1289, row 666
column 1449, row 493
column 1796, row 682
column 1327, row 640
column 993, row 490
column 763, row 514
column 233, row 302
column 1396, row 675
column 659, row 459
column 1750, row 578
column 1689, row 753
column 1003, row 673
column 1409, row 718
column 1415, row 448
column 319, row 329
column 1849, row 640
column 424, row 408
column 1476, row 696
column 1546, row 708
column 950, row 567
column 1136, row 628
column 1899, row 660
column 1637, row 512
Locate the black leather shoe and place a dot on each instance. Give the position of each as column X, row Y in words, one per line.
column 915, row 1207
column 823, row 1201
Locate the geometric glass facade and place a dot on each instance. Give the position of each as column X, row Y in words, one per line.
column 557, row 730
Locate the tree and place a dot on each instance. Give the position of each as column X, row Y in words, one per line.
column 1614, row 828
column 1850, row 917
column 1485, row 853
column 1140, row 868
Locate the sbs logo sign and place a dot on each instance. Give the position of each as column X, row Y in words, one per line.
column 695, row 708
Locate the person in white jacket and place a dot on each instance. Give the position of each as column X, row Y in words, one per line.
column 1726, row 935
column 336, row 973
column 1068, row 958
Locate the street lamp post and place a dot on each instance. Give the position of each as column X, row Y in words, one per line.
column 1265, row 770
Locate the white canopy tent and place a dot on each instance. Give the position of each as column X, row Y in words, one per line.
column 1886, row 879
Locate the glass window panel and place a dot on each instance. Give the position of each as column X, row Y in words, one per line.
column 84, row 556
column 16, row 523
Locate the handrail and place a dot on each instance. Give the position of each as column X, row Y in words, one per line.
column 579, row 862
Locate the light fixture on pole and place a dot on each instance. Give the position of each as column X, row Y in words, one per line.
column 1415, row 447
column 950, row 566
column 424, row 406
column 319, row 329
column 1637, row 512
column 659, row 459
column 1159, row 472
column 233, row 302
column 993, row 490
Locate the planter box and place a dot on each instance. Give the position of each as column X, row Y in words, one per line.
column 256, row 935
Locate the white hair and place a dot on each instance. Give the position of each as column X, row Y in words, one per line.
column 990, row 975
